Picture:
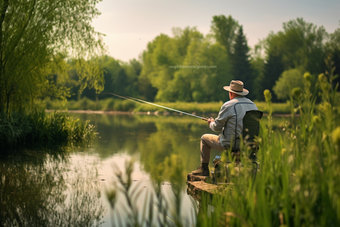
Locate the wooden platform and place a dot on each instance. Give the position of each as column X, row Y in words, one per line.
column 198, row 188
column 192, row 177
column 200, row 185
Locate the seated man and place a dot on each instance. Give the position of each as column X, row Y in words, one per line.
column 228, row 123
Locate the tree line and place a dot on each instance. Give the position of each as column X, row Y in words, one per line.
column 171, row 68
column 49, row 50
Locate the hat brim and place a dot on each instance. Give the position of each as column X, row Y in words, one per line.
column 243, row 93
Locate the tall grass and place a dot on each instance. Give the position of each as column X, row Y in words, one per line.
column 38, row 129
column 299, row 178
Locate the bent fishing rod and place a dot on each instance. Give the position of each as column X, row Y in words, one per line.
column 145, row 102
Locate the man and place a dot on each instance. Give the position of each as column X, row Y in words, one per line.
column 228, row 123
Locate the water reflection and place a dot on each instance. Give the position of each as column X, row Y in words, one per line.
column 152, row 138
column 40, row 190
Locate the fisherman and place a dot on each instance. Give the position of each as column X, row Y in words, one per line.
column 228, row 123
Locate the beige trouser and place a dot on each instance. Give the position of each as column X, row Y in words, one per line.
column 208, row 142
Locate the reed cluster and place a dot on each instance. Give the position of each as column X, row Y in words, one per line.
column 39, row 129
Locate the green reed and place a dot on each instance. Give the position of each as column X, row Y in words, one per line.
column 39, row 129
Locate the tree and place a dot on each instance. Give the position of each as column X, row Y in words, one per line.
column 120, row 77
column 240, row 62
column 32, row 33
column 289, row 80
column 301, row 44
column 333, row 53
column 272, row 71
column 224, row 30
column 183, row 38
column 258, row 64
column 162, row 55
column 202, row 84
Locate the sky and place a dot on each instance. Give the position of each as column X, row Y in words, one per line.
column 129, row 25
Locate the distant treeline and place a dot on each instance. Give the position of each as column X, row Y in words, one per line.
column 191, row 67
column 54, row 59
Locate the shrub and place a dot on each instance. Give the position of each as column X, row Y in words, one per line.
column 38, row 129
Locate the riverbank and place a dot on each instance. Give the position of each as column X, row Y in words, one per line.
column 147, row 113
column 112, row 105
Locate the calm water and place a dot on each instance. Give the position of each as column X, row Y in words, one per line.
column 54, row 190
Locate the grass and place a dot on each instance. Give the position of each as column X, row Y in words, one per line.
column 38, row 129
column 298, row 183
column 112, row 104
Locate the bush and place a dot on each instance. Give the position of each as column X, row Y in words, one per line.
column 38, row 129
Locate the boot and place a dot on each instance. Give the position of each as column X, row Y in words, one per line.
column 202, row 170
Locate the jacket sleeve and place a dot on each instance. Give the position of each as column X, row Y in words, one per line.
column 222, row 118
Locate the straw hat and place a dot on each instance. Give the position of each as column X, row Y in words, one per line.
column 236, row 86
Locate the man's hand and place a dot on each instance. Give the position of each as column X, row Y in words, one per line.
column 210, row 120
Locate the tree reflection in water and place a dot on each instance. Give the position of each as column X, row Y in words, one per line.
column 39, row 191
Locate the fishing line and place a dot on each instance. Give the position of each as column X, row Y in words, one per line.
column 145, row 102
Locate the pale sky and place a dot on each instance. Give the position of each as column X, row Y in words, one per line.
column 130, row 24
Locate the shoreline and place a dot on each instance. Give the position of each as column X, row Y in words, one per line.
column 165, row 113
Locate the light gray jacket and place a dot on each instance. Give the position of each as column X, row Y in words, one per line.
column 229, row 120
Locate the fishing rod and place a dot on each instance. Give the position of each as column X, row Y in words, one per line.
column 164, row 107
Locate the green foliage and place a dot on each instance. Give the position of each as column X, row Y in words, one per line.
column 120, row 77
column 272, row 71
column 201, row 85
column 301, row 45
column 112, row 104
column 224, row 30
column 333, row 54
column 258, row 65
column 290, row 79
column 186, row 67
column 38, row 130
column 35, row 37
column 240, row 63
column 189, row 66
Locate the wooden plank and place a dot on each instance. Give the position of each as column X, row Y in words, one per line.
column 197, row 189
column 199, row 186
column 191, row 177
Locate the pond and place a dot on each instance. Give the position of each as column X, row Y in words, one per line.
column 70, row 187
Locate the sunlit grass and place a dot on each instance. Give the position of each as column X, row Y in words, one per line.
column 112, row 104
